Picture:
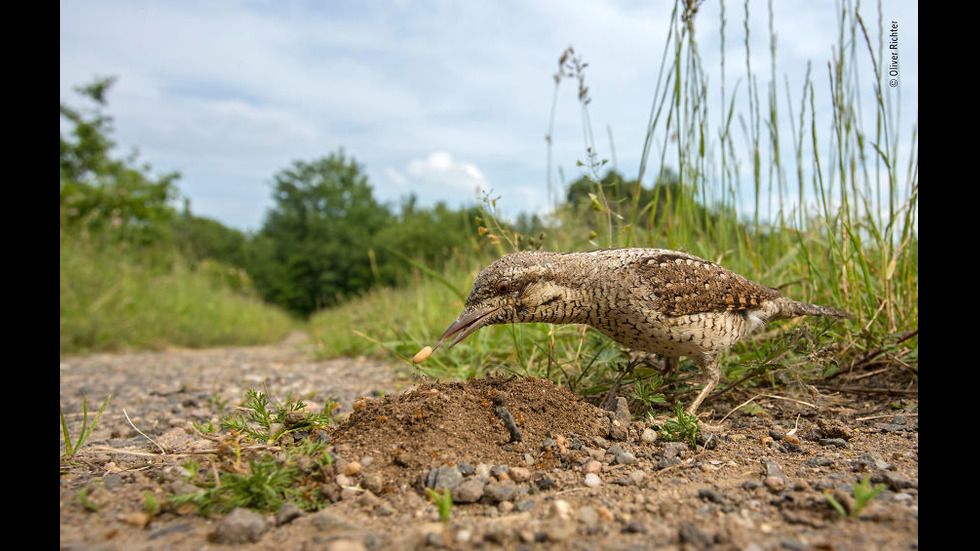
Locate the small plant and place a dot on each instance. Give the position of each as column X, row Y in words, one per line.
column 684, row 429
column 264, row 481
column 266, row 423
column 644, row 390
column 86, row 501
column 863, row 493
column 71, row 448
column 443, row 501
column 150, row 504
column 264, row 488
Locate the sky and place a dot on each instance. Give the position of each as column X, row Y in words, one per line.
column 436, row 98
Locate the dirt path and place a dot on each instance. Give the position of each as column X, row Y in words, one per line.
column 573, row 477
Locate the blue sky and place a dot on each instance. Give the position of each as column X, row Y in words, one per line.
column 435, row 98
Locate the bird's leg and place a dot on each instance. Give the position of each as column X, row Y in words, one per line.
column 713, row 374
column 669, row 365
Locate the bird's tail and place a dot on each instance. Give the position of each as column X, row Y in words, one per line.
column 791, row 308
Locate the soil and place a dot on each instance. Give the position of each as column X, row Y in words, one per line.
column 533, row 466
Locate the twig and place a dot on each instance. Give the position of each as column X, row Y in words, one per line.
column 870, row 417
column 152, row 441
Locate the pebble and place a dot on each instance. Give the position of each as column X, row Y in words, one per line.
column 648, row 436
column 674, row 449
column 592, row 480
column 774, row 484
column 240, row 526
column 468, row 491
column 503, row 490
column 520, row 474
column 372, row 482
column 543, row 481
column 352, row 468
column 138, row 518
column 711, row 495
column 287, row 513
column 625, row 458
column 634, row 527
column 445, row 477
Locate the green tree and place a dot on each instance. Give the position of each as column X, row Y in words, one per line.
column 430, row 236
column 201, row 238
column 314, row 247
column 101, row 192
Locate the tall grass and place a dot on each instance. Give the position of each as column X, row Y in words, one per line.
column 830, row 219
column 115, row 297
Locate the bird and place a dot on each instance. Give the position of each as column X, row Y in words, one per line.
column 659, row 301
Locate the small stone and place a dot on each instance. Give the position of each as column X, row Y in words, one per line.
column 542, row 480
column 711, row 495
column 774, row 483
column 592, row 480
column 519, row 474
column 331, row 491
column 503, row 490
column 622, row 411
column 343, row 480
column 674, row 449
column 240, row 526
column 834, row 429
column 373, row 483
column 287, row 513
column 617, row 431
column 648, row 436
column 137, row 518
column 634, row 527
column 468, row 491
column 445, row 477
column 524, row 505
column 625, row 458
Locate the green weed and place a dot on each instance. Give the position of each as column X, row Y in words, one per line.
column 684, row 429
column 261, row 420
column 73, row 445
column 863, row 493
column 252, row 476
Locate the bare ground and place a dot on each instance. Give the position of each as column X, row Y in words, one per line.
column 753, row 483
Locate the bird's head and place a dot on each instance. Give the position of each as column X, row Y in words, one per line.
column 520, row 287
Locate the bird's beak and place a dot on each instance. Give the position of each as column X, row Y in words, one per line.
column 467, row 322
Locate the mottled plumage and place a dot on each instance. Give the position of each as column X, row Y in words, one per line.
column 653, row 300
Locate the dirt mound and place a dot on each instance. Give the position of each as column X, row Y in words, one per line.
column 494, row 420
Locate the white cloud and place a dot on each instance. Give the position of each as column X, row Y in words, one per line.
column 441, row 170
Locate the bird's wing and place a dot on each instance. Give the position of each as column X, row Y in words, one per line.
column 686, row 284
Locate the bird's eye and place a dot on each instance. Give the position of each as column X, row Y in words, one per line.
column 503, row 286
